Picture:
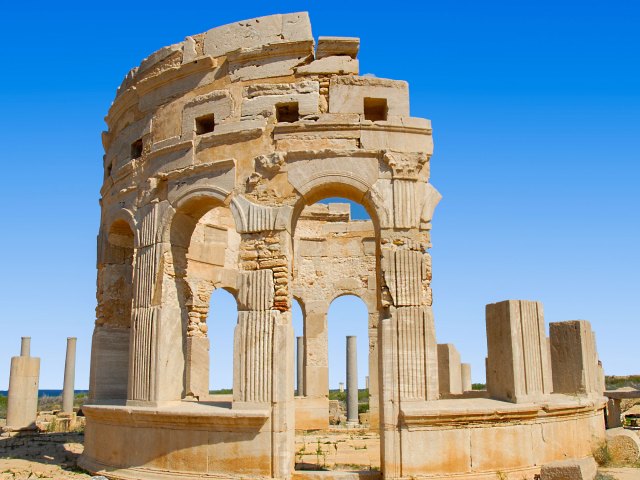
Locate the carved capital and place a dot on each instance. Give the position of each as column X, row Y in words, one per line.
column 405, row 165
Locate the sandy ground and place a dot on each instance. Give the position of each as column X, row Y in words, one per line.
column 622, row 473
column 45, row 455
column 54, row 455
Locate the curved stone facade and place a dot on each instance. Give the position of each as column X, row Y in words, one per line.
column 214, row 148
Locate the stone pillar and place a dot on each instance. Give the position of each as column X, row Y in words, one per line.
column 352, row 381
column 366, row 382
column 197, row 367
column 68, row 390
column 264, row 339
column 156, row 355
column 574, row 358
column 465, row 370
column 341, row 387
column 300, row 366
column 22, row 404
column 518, row 367
column 449, row 370
column 614, row 413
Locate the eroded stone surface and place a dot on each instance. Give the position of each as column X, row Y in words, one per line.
column 217, row 150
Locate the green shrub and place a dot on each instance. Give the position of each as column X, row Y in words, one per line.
column 363, row 407
column 478, row 386
column 3, row 406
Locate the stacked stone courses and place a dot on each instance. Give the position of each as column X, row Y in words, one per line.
column 217, row 149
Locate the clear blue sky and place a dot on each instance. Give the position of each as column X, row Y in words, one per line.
column 536, row 116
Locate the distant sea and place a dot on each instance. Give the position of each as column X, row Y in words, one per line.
column 46, row 393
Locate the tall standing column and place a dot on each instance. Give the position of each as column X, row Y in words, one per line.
column 68, row 389
column 300, row 366
column 22, row 404
column 352, row 381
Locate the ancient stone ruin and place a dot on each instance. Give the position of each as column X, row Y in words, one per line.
column 217, row 150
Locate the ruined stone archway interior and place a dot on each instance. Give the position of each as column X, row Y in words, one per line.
column 214, row 147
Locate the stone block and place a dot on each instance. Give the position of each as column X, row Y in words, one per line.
column 217, row 103
column 518, row 367
column 449, row 369
column 347, row 94
column 581, row 469
column 256, row 32
column 335, row 65
column 574, row 359
column 333, row 46
column 265, row 105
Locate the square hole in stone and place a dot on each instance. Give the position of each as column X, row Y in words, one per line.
column 136, row 149
column 375, row 109
column 205, row 124
column 287, row 112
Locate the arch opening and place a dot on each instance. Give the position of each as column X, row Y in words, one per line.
column 221, row 320
column 335, row 276
column 205, row 244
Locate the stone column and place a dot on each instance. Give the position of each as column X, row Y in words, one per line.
column 25, row 347
column 465, row 371
column 68, row 390
column 352, row 381
column 22, row 404
column 300, row 366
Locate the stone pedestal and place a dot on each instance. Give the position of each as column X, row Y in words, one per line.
column 22, row 404
column 352, row 381
column 68, row 390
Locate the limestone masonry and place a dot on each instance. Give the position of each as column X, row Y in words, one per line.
column 216, row 151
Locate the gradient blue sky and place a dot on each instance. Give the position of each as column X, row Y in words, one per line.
column 536, row 116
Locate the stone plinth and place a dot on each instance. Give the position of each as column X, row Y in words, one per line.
column 462, row 439
column 518, row 368
column 203, row 442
